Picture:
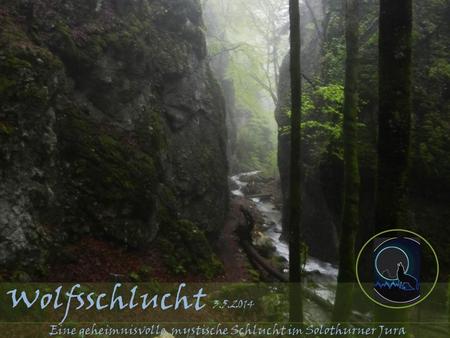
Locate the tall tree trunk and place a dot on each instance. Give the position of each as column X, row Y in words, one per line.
column 395, row 113
column 394, row 121
column 350, row 217
column 295, row 294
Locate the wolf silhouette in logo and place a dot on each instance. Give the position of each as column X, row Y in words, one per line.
column 405, row 278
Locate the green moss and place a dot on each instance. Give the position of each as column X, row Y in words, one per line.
column 106, row 169
column 77, row 60
column 134, row 277
column 95, row 46
column 168, row 198
column 186, row 249
column 34, row 95
column 6, row 84
column 150, row 133
column 26, row 69
column 7, row 87
column 5, row 129
column 15, row 63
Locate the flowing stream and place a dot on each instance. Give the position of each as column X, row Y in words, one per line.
column 323, row 274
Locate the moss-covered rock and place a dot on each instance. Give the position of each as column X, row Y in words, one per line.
column 186, row 249
column 114, row 182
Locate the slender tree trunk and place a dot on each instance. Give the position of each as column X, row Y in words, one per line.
column 295, row 294
column 394, row 122
column 350, row 217
column 276, row 66
column 395, row 113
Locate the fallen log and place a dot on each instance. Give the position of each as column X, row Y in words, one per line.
column 244, row 234
column 261, row 261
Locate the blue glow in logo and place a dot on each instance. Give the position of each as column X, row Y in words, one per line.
column 397, row 269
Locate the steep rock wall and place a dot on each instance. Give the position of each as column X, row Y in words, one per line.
column 111, row 124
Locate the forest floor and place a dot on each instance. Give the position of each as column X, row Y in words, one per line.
column 229, row 250
column 92, row 259
column 95, row 260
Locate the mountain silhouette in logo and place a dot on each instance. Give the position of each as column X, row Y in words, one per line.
column 403, row 281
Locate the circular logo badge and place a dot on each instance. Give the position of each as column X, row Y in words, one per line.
column 397, row 268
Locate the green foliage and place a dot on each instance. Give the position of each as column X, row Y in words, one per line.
column 440, row 70
column 256, row 149
column 334, row 60
column 322, row 125
column 430, row 164
column 431, row 131
column 273, row 305
column 255, row 275
column 432, row 152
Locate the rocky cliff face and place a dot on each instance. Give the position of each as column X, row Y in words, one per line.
column 110, row 124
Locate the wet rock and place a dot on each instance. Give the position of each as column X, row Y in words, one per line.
column 263, row 244
column 111, row 125
column 233, row 185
